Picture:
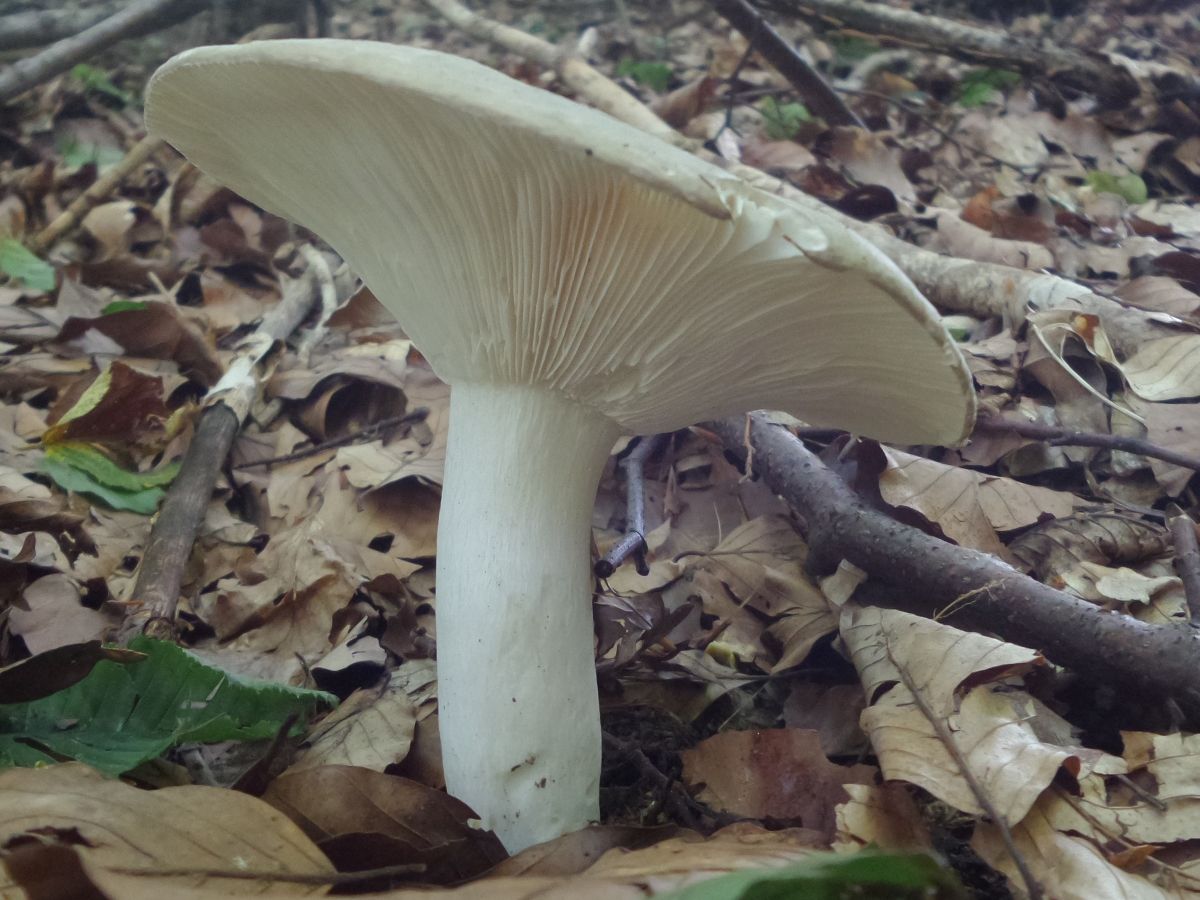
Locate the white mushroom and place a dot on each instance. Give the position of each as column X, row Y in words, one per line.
column 571, row 278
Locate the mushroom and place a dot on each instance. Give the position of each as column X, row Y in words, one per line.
column 572, row 279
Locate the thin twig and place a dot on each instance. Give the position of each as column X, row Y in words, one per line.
column 369, row 433
column 1187, row 560
column 1055, row 437
column 59, row 57
column 633, row 542
column 982, row 797
column 812, row 88
column 160, row 575
column 687, row 810
column 99, row 190
column 268, row 875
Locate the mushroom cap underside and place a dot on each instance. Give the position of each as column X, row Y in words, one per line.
column 520, row 237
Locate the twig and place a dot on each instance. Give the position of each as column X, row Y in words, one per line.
column 633, row 542
column 268, row 875
column 366, row 434
column 58, row 58
column 930, row 573
column 1187, row 560
column 100, row 189
column 160, row 576
column 811, row 87
column 689, row 811
column 1091, row 73
column 982, row 797
column 38, row 27
column 575, row 73
column 1055, row 437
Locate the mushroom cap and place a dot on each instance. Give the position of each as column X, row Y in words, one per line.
column 522, row 238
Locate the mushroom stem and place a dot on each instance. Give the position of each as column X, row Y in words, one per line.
column 519, row 714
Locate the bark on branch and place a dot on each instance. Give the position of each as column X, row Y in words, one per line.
column 137, row 18
column 1077, row 70
column 986, row 593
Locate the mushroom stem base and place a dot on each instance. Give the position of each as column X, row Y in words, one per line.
column 519, row 715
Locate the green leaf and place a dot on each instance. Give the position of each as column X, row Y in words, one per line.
column 978, row 86
column 654, row 75
column 834, row 876
column 19, row 263
column 80, row 153
column 851, row 48
column 121, row 716
column 80, row 467
column 97, row 80
column 783, row 120
column 1129, row 185
column 123, row 306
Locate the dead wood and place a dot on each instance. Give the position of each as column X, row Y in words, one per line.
column 98, row 191
column 160, row 576
column 38, row 27
column 1187, row 560
column 929, row 575
column 1058, row 437
column 1103, row 77
column 817, row 95
column 137, row 18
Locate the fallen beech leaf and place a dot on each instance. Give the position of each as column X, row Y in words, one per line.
column 373, row 729
column 777, row 773
column 113, row 825
column 413, row 823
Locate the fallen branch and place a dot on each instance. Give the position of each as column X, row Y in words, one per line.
column 99, row 190
column 136, row 18
column 985, row 593
column 1089, row 73
column 633, row 541
column 39, row 27
column 1057, row 437
column 160, row 575
column 818, row 96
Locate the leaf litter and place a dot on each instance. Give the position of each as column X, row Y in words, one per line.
column 738, row 684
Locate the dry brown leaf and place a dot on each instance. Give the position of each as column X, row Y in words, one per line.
column 51, row 615
column 777, row 773
column 111, row 824
column 365, row 819
column 373, row 728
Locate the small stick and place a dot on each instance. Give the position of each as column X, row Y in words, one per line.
column 811, row 87
column 99, row 190
column 1187, row 559
column 633, row 542
column 160, row 575
column 267, row 875
column 368, row 433
column 1055, row 437
column 59, row 57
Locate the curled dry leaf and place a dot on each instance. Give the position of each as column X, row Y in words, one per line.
column 372, row 729
column 407, row 822
column 897, row 654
